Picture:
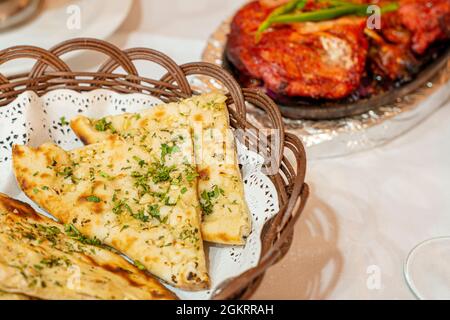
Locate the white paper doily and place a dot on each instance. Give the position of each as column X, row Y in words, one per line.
column 34, row 120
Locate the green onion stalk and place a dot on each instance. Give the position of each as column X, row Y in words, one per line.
column 286, row 8
column 338, row 9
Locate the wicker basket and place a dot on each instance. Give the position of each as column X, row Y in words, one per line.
column 50, row 72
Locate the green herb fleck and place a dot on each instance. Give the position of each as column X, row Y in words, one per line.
column 208, row 198
column 67, row 172
column 166, row 149
column 72, row 232
column 102, row 125
column 153, row 210
column 121, row 205
column 191, row 173
column 139, row 265
column 161, row 173
column 64, row 121
column 93, row 199
column 105, row 175
column 140, row 215
column 190, row 234
column 140, row 162
column 55, row 262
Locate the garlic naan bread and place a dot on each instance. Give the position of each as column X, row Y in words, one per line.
column 13, row 296
column 42, row 259
column 225, row 215
column 139, row 199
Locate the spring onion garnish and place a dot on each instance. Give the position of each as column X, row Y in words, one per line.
column 291, row 13
column 286, row 8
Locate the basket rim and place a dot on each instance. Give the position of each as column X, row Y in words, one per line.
column 51, row 72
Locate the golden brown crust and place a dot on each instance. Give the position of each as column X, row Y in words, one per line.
column 125, row 196
column 226, row 217
column 82, row 127
column 40, row 260
column 13, row 296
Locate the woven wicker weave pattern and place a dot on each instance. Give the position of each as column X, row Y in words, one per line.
column 51, row 72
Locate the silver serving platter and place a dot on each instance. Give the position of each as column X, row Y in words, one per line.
column 15, row 12
column 332, row 138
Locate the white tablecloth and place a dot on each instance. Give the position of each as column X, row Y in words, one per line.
column 366, row 210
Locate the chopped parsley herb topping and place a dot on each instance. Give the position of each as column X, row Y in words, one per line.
column 189, row 234
column 157, row 172
column 67, row 172
column 166, row 150
column 120, row 206
column 102, row 125
column 72, row 232
column 153, row 210
column 64, row 122
column 93, row 199
column 140, row 162
column 140, row 182
column 160, row 172
column 139, row 265
column 49, row 233
column 55, row 262
column 208, row 198
column 191, row 173
column 105, row 175
column 169, row 202
column 140, row 215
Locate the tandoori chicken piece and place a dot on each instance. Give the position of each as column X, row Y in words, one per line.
column 319, row 60
column 427, row 20
column 396, row 50
column 328, row 59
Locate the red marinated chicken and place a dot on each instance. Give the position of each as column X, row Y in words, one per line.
column 405, row 36
column 328, row 59
column 319, row 60
column 427, row 20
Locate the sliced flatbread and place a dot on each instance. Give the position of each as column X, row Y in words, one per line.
column 41, row 259
column 226, row 217
column 13, row 296
column 138, row 199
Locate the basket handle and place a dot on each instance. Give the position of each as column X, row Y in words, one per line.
column 219, row 74
column 153, row 56
column 231, row 287
column 4, row 80
column 88, row 44
column 281, row 221
column 261, row 100
column 42, row 56
column 277, row 239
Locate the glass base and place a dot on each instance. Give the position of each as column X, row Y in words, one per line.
column 427, row 269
